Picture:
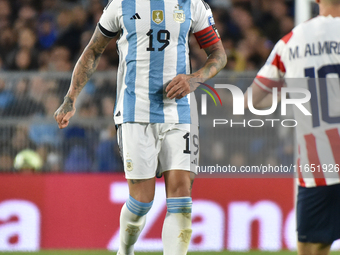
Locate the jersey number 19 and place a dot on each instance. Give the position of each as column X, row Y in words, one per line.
column 163, row 36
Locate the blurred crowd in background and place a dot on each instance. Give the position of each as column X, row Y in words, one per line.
column 49, row 36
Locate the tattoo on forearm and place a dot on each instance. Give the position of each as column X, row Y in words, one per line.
column 67, row 105
column 215, row 62
column 87, row 63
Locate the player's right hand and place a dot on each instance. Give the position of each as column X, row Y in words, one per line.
column 64, row 113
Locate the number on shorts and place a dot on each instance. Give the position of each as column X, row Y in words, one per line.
column 195, row 142
column 187, row 143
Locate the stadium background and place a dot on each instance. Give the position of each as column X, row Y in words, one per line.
column 73, row 202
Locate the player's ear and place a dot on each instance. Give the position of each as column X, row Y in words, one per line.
column 317, row 1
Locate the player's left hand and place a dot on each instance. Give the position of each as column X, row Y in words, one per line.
column 179, row 87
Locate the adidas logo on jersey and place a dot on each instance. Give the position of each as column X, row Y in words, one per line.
column 136, row 16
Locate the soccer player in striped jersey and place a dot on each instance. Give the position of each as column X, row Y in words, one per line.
column 153, row 112
column 312, row 51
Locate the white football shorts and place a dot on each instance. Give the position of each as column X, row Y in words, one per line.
column 149, row 149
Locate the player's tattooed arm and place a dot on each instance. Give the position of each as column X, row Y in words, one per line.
column 85, row 67
column 183, row 84
column 87, row 63
column 217, row 59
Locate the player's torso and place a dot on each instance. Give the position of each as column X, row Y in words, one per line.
column 155, row 33
column 314, row 43
column 312, row 62
column 153, row 49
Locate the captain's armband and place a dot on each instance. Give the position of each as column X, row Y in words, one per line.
column 207, row 36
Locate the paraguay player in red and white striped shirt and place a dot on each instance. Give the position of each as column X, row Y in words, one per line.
column 309, row 58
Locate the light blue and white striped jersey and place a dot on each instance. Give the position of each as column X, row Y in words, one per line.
column 153, row 49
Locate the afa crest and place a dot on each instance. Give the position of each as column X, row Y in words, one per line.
column 179, row 15
column 129, row 165
column 157, row 16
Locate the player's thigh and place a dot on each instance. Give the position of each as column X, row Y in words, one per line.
column 313, row 248
column 179, row 149
column 178, row 158
column 139, row 149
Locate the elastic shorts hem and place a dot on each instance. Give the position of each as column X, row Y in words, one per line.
column 179, row 168
column 314, row 240
column 139, row 178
